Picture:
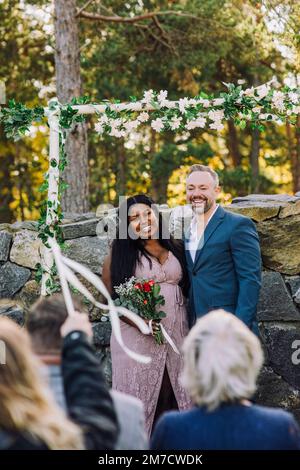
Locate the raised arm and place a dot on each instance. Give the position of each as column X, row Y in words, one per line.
column 89, row 403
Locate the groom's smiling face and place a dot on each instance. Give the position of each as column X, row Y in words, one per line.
column 201, row 191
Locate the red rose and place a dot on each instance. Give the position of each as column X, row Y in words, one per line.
column 138, row 286
column 145, row 302
column 147, row 287
column 151, row 283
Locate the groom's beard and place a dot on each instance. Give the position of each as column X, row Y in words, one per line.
column 203, row 208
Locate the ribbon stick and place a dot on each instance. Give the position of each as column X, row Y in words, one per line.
column 169, row 339
column 66, row 275
column 61, row 272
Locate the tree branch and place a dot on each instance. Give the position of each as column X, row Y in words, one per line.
column 134, row 19
column 108, row 10
column 157, row 23
column 164, row 35
column 84, row 7
column 157, row 39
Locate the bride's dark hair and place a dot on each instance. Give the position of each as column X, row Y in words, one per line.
column 126, row 252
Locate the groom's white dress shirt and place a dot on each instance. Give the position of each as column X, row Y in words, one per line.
column 195, row 236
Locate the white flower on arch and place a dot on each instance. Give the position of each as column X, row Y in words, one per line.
column 157, row 125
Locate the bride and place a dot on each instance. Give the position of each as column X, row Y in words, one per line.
column 144, row 253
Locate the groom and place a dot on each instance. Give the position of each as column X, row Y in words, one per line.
column 222, row 253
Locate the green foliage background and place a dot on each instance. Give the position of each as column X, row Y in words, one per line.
column 215, row 42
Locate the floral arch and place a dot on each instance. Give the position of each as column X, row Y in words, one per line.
column 258, row 106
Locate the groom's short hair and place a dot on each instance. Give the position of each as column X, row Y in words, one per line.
column 204, row 168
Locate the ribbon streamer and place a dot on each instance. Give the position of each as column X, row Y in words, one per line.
column 169, row 339
column 66, row 275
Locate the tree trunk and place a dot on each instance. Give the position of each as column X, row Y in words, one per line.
column 6, row 190
column 254, row 160
column 6, row 181
column 121, row 179
column 233, row 144
column 68, row 82
column 297, row 163
column 293, row 139
column 159, row 180
column 154, row 193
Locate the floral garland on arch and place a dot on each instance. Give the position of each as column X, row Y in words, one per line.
column 254, row 105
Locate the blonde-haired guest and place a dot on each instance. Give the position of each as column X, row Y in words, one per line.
column 29, row 416
column 30, row 419
column 222, row 359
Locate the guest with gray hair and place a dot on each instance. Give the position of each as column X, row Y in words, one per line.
column 222, row 360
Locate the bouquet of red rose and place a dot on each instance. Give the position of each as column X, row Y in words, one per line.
column 142, row 296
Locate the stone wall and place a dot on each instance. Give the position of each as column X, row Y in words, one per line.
column 278, row 223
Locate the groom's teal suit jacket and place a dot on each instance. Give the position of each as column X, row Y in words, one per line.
column 227, row 269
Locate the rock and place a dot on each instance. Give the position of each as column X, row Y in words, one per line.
column 282, row 341
column 297, row 194
column 102, row 333
column 29, row 294
column 12, row 310
column 71, row 217
column 290, row 209
column 83, row 228
column 105, row 210
column 6, row 227
column 275, row 392
column 26, row 249
column 12, row 279
column 297, row 297
column 5, row 240
column 258, row 198
column 263, row 211
column 104, row 358
column 89, row 251
column 293, row 283
column 94, row 313
column 275, row 302
column 26, row 225
column 107, row 228
column 280, row 244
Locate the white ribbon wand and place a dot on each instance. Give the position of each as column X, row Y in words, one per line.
column 64, row 268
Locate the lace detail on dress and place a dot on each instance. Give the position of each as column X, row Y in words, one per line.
column 144, row 380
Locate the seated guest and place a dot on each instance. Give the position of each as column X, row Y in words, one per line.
column 30, row 419
column 222, row 359
column 43, row 324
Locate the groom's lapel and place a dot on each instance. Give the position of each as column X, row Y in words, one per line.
column 210, row 229
column 186, row 235
column 187, row 252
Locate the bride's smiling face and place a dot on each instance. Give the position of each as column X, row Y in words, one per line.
column 143, row 222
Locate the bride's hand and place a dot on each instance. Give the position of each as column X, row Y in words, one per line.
column 154, row 324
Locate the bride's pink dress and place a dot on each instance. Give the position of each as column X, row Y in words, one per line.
column 144, row 380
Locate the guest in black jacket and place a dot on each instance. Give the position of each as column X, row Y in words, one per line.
column 30, row 418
